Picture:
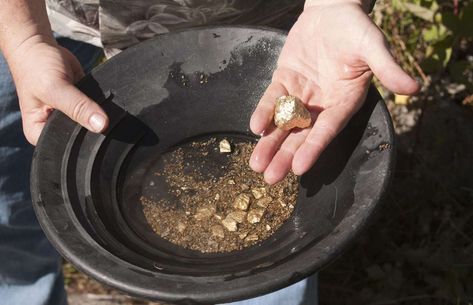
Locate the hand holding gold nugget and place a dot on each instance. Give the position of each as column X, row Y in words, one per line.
column 290, row 113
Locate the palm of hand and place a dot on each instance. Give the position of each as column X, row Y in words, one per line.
column 327, row 61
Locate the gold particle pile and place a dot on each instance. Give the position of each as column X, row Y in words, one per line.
column 220, row 214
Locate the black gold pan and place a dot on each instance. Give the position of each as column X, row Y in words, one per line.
column 164, row 93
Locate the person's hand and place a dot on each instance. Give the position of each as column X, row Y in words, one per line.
column 44, row 74
column 327, row 61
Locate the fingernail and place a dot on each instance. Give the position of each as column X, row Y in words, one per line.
column 97, row 122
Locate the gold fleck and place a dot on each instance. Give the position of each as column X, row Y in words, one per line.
column 263, row 202
column 166, row 232
column 204, row 213
column 230, row 224
column 252, row 237
column 255, row 215
column 181, row 227
column 290, row 113
column 225, row 146
column 238, row 216
column 258, row 192
column 231, row 182
column 242, row 202
column 243, row 235
column 217, row 231
column 244, row 187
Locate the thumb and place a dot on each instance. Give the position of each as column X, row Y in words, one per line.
column 391, row 75
column 78, row 106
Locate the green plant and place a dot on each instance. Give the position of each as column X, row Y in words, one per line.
column 431, row 37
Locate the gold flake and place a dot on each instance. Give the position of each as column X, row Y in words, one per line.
column 242, row 202
column 264, row 202
column 230, row 224
column 225, row 146
column 217, row 231
column 203, row 213
column 258, row 192
column 238, row 216
column 243, row 235
column 252, row 237
column 181, row 227
column 255, row 215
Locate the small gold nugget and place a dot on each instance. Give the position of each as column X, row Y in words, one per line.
column 291, row 113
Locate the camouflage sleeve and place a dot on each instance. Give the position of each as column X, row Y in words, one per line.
column 124, row 23
column 76, row 19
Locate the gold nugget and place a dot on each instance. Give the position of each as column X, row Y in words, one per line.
column 291, row 113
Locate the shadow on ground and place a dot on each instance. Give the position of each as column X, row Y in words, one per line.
column 420, row 249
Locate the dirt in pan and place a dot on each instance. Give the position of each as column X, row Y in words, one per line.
column 223, row 212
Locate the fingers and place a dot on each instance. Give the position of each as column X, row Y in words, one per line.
column 328, row 124
column 281, row 163
column 263, row 114
column 76, row 105
column 266, row 148
column 383, row 65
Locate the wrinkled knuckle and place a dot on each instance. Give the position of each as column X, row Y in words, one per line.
column 79, row 109
column 328, row 130
column 315, row 145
